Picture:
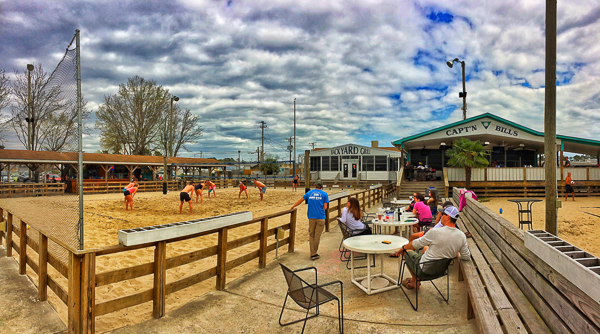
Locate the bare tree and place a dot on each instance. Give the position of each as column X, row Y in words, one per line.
column 4, row 99
column 183, row 130
column 53, row 112
column 132, row 116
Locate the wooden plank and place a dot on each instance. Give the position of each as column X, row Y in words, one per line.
column 482, row 307
column 160, row 280
column 241, row 260
column 262, row 253
column 88, row 294
column 124, row 274
column 190, row 280
column 514, row 237
column 23, row 248
column 123, row 302
column 58, row 290
column 9, row 233
column 292, row 236
column 58, row 265
column 74, row 298
column 194, row 256
column 243, row 241
column 531, row 319
column 222, row 258
column 524, row 280
column 43, row 268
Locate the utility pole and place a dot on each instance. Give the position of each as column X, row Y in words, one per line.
column 290, row 146
column 239, row 166
column 550, row 119
column 313, row 145
column 263, row 126
column 294, row 173
column 257, row 155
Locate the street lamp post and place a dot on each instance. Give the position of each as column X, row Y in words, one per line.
column 169, row 144
column 462, row 94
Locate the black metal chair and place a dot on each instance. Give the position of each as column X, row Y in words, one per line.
column 366, row 217
column 386, row 203
column 309, row 296
column 345, row 253
column 435, row 269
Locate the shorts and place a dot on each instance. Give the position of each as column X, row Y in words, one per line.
column 213, row 188
column 183, row 196
column 126, row 193
column 263, row 189
column 424, row 222
column 295, row 182
column 412, row 259
column 242, row 189
column 568, row 188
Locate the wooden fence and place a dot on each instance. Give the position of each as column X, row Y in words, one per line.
column 563, row 306
column 79, row 295
column 9, row 190
column 117, row 187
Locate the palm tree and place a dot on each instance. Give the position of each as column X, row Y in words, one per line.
column 467, row 154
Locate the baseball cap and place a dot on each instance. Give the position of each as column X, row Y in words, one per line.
column 451, row 211
column 446, row 204
column 319, row 182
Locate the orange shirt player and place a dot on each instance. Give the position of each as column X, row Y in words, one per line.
column 243, row 188
column 184, row 195
column 569, row 187
column 130, row 185
column 260, row 186
column 129, row 194
column 211, row 187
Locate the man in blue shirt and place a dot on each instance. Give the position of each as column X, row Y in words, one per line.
column 318, row 201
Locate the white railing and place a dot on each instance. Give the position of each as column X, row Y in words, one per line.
column 521, row 174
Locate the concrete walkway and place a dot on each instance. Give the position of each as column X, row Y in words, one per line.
column 251, row 304
column 20, row 309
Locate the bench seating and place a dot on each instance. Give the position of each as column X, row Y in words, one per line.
column 494, row 298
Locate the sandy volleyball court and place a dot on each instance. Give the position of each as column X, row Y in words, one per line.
column 105, row 214
column 576, row 221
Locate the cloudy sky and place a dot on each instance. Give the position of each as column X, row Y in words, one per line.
column 359, row 70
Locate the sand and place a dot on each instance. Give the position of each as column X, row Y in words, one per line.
column 105, row 215
column 574, row 224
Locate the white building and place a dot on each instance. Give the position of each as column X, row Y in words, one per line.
column 355, row 162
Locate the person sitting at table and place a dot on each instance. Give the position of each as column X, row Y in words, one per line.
column 432, row 202
column 437, row 244
column 351, row 215
column 421, row 212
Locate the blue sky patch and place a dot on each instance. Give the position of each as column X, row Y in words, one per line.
column 441, row 17
column 395, row 97
column 443, row 113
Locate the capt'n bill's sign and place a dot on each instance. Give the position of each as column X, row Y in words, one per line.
column 484, row 126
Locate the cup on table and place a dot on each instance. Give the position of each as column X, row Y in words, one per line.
column 379, row 216
column 394, row 199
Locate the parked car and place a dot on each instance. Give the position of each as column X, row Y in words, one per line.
column 53, row 177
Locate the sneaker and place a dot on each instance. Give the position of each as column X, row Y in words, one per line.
column 314, row 257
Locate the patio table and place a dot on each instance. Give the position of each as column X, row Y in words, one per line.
column 525, row 217
column 373, row 244
column 385, row 226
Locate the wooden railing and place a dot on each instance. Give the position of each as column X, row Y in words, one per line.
column 366, row 198
column 8, row 190
column 512, row 174
column 79, row 296
column 117, row 187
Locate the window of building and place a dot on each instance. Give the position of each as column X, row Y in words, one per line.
column 325, row 164
column 315, row 164
column 381, row 163
column 368, row 163
column 335, row 163
column 394, row 164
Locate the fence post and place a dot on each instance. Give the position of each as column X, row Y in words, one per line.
column 221, row 258
column 262, row 252
column 160, row 278
column 88, row 293
column 327, row 218
column 292, row 237
column 339, row 207
column 2, row 218
column 23, row 249
column 9, row 233
column 43, row 265
column 74, row 292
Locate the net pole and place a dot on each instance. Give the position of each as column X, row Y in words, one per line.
column 79, row 139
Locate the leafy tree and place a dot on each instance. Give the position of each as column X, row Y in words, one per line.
column 133, row 117
column 468, row 155
column 269, row 167
column 228, row 160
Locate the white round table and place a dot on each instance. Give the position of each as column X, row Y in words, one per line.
column 373, row 244
column 386, row 226
column 401, row 202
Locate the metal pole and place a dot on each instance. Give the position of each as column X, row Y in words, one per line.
column 239, row 166
column 550, row 119
column 29, row 145
column 464, row 91
column 79, row 139
column 170, row 131
column 294, row 137
column 306, row 171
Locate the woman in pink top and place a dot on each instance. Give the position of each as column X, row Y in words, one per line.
column 422, row 212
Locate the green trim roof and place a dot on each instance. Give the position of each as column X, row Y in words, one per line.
column 499, row 119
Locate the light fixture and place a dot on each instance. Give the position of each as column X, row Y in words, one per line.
column 30, row 67
column 443, row 144
column 487, row 143
column 175, row 98
column 522, row 145
column 451, row 63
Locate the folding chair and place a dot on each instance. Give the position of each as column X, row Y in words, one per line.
column 435, row 269
column 309, row 296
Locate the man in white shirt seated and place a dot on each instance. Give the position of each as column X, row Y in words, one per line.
column 440, row 243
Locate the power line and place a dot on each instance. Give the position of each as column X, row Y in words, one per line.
column 313, row 145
